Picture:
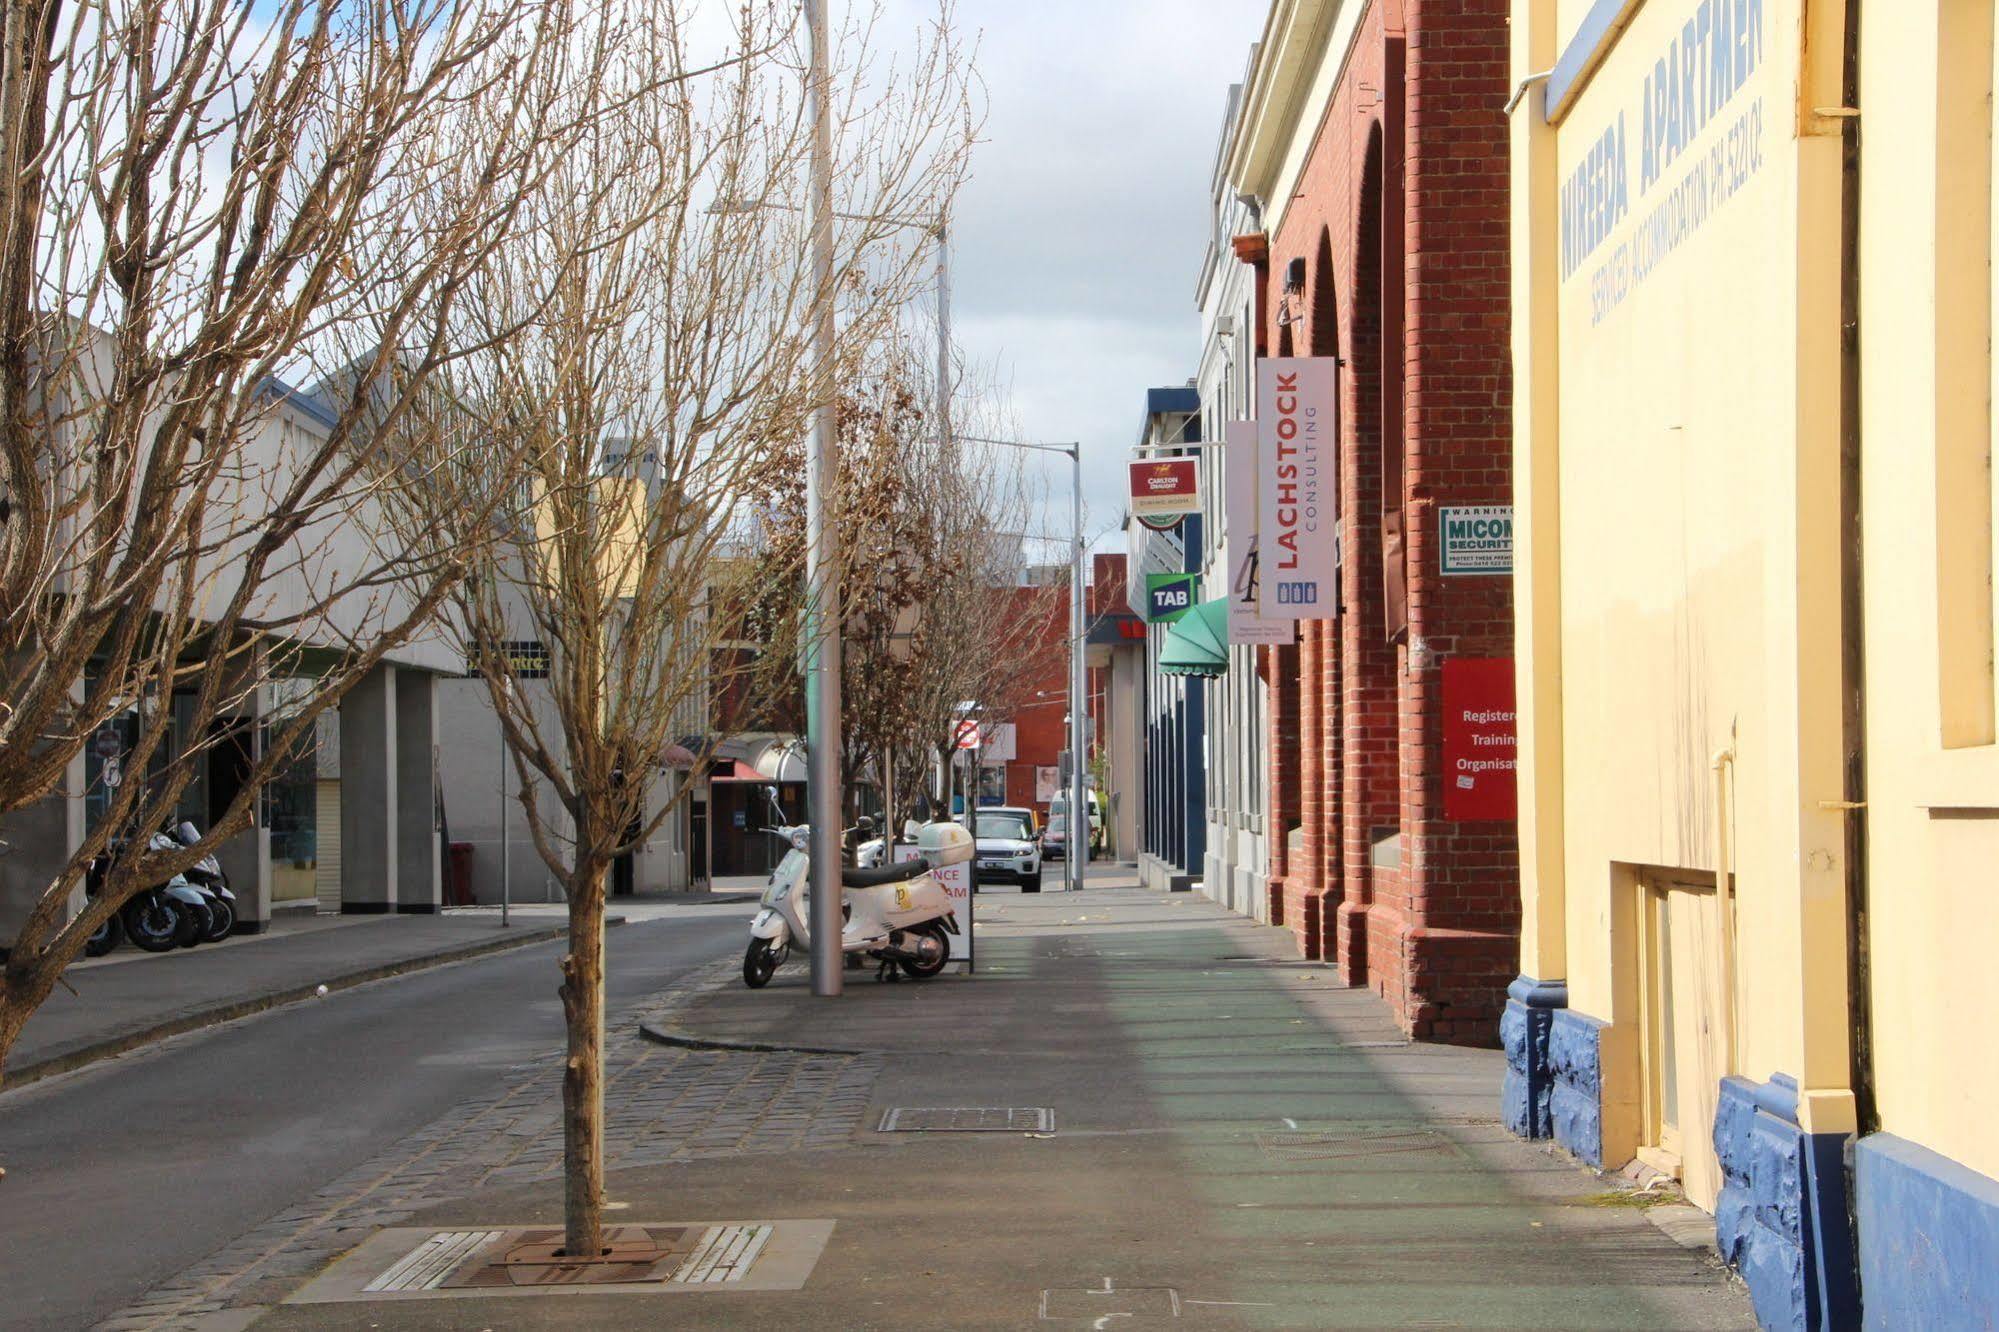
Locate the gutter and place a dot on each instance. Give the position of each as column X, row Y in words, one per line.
column 1853, row 644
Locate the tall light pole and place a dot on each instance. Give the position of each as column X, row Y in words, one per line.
column 1079, row 816
column 1079, row 698
column 822, row 597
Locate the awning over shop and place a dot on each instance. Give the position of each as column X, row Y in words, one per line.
column 760, row 757
column 1197, row 642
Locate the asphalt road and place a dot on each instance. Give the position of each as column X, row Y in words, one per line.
column 127, row 1173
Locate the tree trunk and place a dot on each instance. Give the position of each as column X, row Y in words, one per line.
column 21, row 993
column 583, row 1073
column 13, row 1017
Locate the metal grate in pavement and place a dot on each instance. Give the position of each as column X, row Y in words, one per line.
column 967, row 1119
column 657, row 1259
column 724, row 1254
column 431, row 1261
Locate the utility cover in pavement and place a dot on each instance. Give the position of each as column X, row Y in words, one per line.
column 968, row 1119
column 408, row 1263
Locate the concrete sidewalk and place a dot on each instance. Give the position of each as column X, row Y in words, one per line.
column 1237, row 1143
column 129, row 999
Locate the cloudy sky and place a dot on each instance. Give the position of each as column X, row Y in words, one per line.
column 1080, row 236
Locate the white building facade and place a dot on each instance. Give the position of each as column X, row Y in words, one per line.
column 1237, row 862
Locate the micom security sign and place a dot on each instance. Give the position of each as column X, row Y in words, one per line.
column 1476, row 540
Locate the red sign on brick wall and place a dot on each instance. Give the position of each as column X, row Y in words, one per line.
column 1481, row 749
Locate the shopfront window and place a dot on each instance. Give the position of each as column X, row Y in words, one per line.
column 291, row 807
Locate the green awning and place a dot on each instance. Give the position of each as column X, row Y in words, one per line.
column 1198, row 642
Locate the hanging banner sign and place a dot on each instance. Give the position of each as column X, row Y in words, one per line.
column 1168, row 596
column 1298, row 502
column 1165, row 488
column 1246, row 622
column 1481, row 748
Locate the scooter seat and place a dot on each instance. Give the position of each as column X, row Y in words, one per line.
column 855, row 877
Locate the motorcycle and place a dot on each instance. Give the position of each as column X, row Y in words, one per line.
column 899, row 916
column 206, row 877
column 169, row 915
column 112, row 932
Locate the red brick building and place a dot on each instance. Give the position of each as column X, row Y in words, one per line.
column 1388, row 248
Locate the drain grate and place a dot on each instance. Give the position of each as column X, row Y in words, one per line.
column 429, row 1262
column 1342, row 1146
column 968, row 1119
column 725, row 1253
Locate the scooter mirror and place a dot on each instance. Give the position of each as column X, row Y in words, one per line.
column 187, row 834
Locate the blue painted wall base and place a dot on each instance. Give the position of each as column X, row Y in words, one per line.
column 1781, row 1219
column 1575, row 1096
column 1526, row 1100
column 1929, row 1237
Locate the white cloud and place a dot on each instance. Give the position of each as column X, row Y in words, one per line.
column 1080, row 237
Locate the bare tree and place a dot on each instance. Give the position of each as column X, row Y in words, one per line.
column 676, row 344
column 202, row 200
column 935, row 613
column 982, row 634
column 884, row 424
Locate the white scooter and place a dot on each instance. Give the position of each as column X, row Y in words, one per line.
column 897, row 915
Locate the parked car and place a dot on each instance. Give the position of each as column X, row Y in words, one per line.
column 1055, row 838
column 1059, row 809
column 1008, row 850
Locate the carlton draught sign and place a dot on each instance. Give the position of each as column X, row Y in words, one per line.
column 1297, row 423
column 1165, row 488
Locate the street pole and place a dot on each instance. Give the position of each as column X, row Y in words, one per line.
column 943, row 335
column 950, row 460
column 506, row 867
column 1079, row 817
column 822, row 604
column 1079, row 813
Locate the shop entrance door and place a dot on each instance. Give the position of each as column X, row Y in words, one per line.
column 1684, row 997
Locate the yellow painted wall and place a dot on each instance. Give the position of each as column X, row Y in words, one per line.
column 1695, row 460
column 1926, row 422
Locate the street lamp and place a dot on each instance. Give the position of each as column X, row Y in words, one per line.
column 1073, row 866
column 822, row 634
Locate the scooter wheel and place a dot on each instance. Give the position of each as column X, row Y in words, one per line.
column 193, row 925
column 760, row 963
column 925, row 970
column 221, row 921
column 109, row 935
column 154, row 924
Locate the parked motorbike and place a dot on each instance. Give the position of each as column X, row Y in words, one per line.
column 898, row 916
column 205, row 876
column 165, row 916
column 112, row 932
column 184, row 911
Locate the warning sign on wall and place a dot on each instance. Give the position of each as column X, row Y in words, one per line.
column 1476, row 540
column 1481, row 748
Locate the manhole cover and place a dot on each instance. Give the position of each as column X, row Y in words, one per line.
column 1340, row 1146
column 967, row 1119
